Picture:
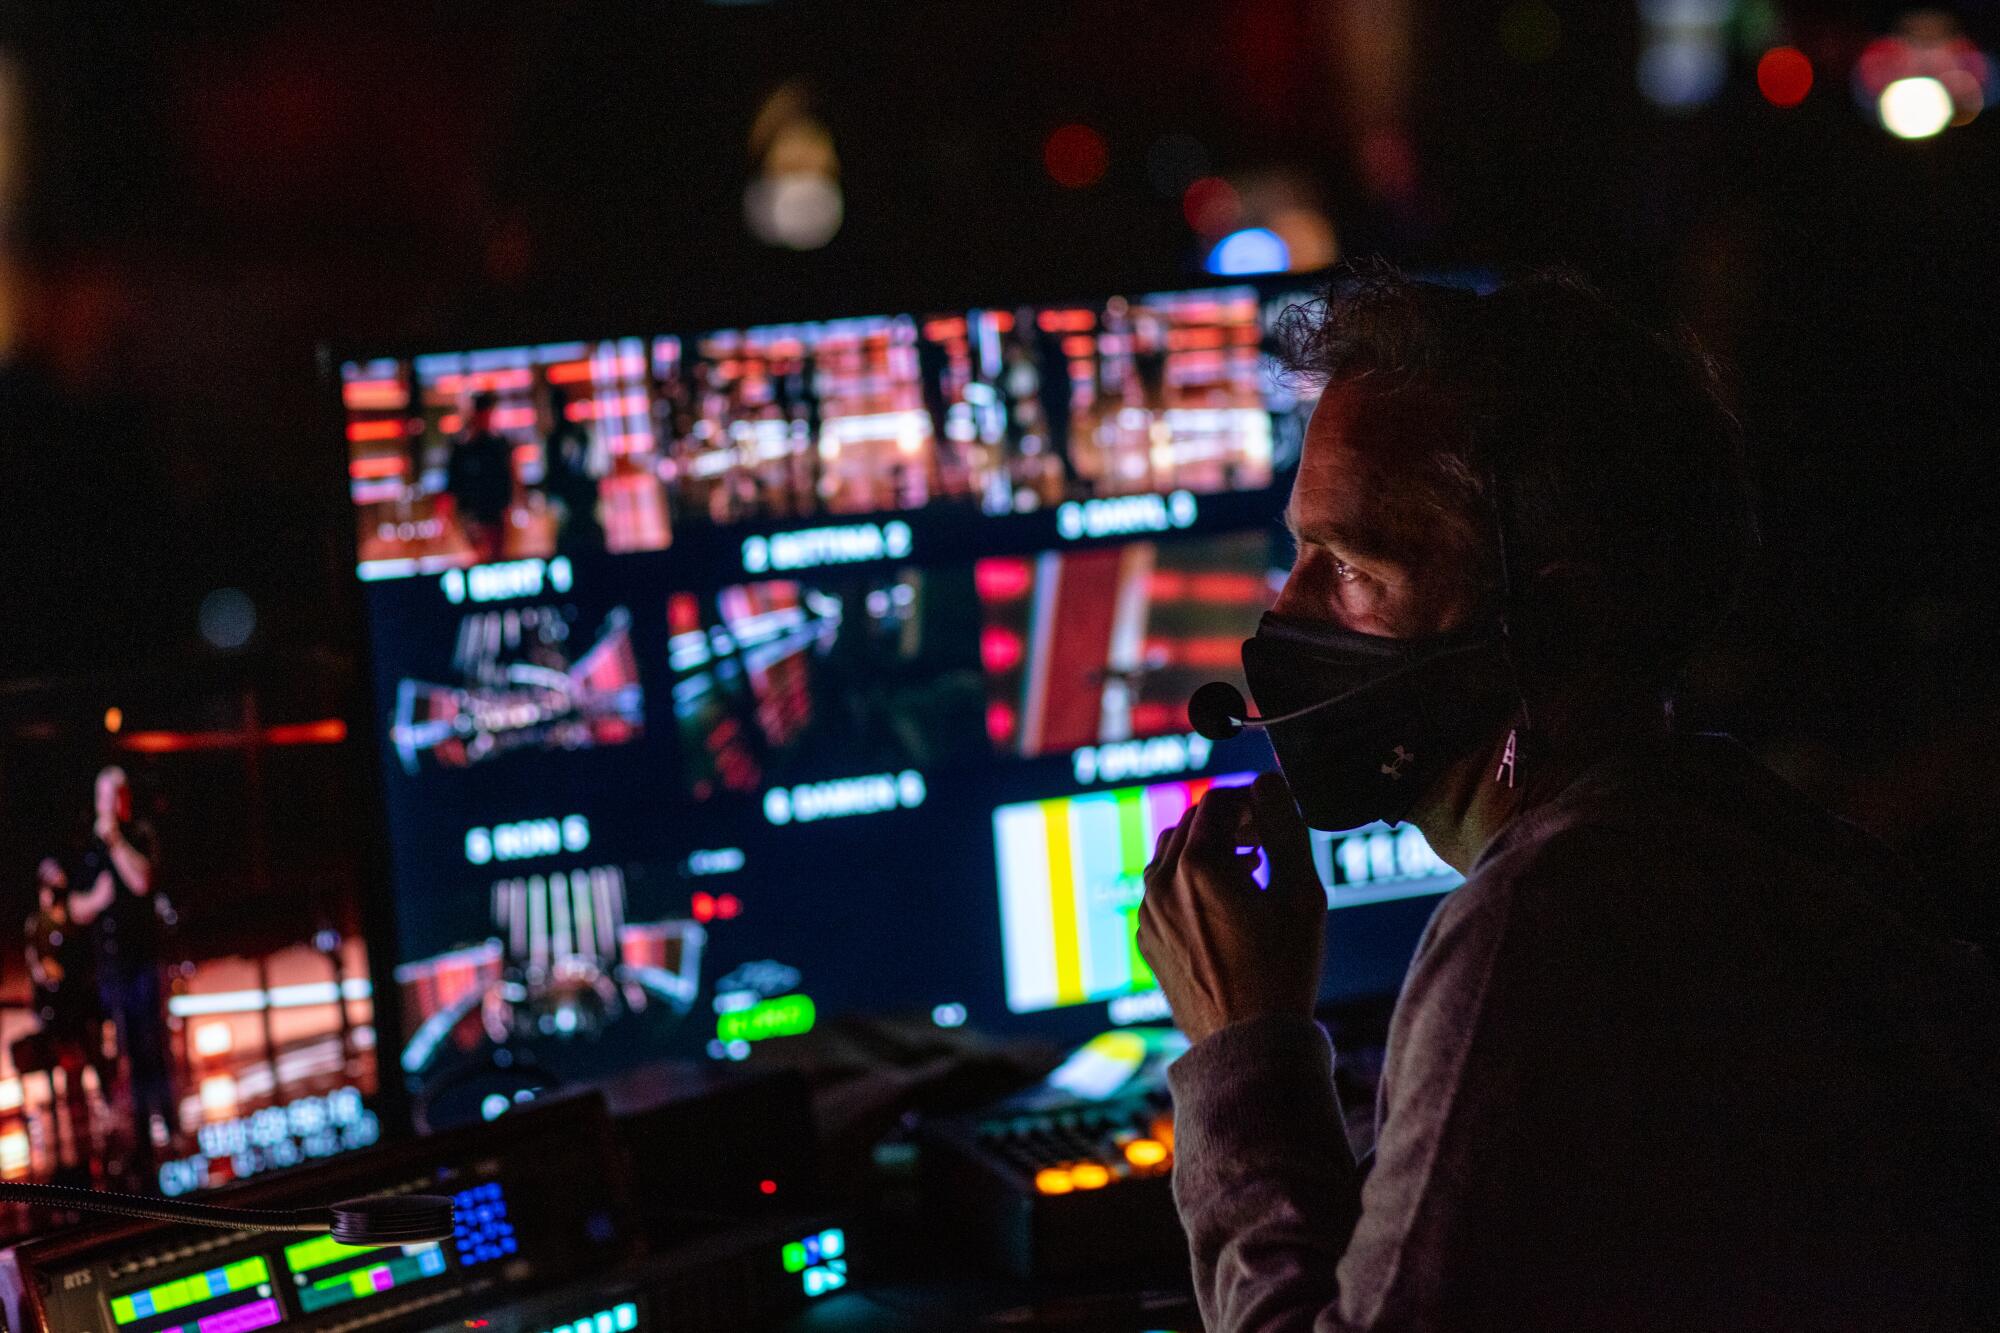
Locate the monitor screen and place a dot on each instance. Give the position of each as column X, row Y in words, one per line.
column 187, row 1001
column 729, row 683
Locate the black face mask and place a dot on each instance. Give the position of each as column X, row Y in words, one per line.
column 1385, row 717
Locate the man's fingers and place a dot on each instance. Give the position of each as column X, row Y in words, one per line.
column 1166, row 856
column 1283, row 835
column 1217, row 824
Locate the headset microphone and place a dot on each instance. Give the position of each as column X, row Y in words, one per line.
column 1218, row 711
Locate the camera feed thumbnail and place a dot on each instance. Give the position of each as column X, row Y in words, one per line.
column 561, row 987
column 185, row 998
column 1109, row 643
column 838, row 675
column 1035, row 406
column 530, row 678
column 467, row 458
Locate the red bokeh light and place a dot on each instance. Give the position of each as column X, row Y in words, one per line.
column 706, row 907
column 1076, row 156
column 1784, row 76
column 1002, row 580
column 1000, row 721
column 1212, row 206
column 999, row 649
column 767, row 1186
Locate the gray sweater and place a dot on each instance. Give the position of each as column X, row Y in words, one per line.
column 1673, row 1057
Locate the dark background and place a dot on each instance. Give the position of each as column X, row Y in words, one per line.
column 203, row 195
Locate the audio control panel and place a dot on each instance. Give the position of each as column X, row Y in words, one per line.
column 536, row 1204
column 1074, row 1173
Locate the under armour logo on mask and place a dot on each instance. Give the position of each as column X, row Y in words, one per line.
column 1402, row 760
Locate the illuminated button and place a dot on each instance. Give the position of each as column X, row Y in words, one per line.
column 1089, row 1176
column 1143, row 1153
column 1053, row 1180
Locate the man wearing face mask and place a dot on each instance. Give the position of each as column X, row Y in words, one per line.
column 1683, row 1052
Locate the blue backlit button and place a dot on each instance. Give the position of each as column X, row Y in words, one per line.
column 833, row 1243
column 625, row 1317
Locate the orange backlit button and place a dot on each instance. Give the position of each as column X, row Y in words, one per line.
column 1144, row 1153
column 1053, row 1180
column 1089, row 1176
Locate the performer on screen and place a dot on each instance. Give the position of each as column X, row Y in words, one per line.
column 480, row 479
column 121, row 908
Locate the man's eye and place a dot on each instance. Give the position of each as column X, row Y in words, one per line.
column 1345, row 572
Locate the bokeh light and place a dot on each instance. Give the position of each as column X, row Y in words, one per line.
column 1212, row 206
column 227, row 618
column 798, row 210
column 1076, row 156
column 1927, row 48
column 1682, row 71
column 1308, row 237
column 1252, row 250
column 1915, row 108
column 1784, row 76
column 794, row 200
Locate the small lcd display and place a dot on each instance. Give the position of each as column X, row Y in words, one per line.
column 234, row 1298
column 328, row 1273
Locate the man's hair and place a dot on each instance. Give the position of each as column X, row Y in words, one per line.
column 1599, row 451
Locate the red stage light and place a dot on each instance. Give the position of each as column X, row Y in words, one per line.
column 1076, row 156
column 1784, row 76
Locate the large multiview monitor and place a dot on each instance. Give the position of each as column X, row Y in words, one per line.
column 731, row 683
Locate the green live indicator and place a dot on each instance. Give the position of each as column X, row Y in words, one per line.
column 190, row 1290
column 786, row 1016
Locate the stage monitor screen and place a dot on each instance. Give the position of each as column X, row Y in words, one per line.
column 730, row 683
column 187, row 999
